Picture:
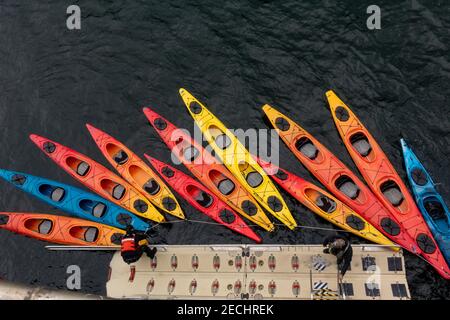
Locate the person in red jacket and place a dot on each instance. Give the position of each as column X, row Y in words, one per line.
column 134, row 244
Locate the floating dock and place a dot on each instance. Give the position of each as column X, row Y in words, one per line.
column 259, row 272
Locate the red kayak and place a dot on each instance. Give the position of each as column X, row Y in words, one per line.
column 97, row 178
column 214, row 175
column 202, row 199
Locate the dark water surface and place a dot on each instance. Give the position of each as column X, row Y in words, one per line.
column 235, row 56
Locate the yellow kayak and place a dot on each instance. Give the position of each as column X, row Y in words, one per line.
column 238, row 160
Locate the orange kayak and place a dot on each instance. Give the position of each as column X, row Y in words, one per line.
column 384, row 180
column 214, row 175
column 60, row 230
column 136, row 172
column 324, row 204
column 339, row 179
column 97, row 178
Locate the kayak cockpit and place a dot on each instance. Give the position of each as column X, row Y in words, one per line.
column 41, row 226
column 225, row 185
column 96, row 209
column 117, row 154
column 324, row 203
column 190, row 153
column 87, row 234
column 78, row 166
column 306, row 147
column 115, row 190
column 362, row 146
column 201, row 197
column 220, row 138
column 346, row 185
column 56, row 194
column 143, row 179
column 437, row 213
column 392, row 193
column 185, row 149
column 253, row 177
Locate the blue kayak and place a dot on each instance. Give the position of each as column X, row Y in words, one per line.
column 74, row 201
column 430, row 202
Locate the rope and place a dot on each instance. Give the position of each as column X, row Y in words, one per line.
column 250, row 225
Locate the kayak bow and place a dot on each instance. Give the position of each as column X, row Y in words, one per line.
column 60, row 230
column 238, row 160
column 97, row 178
column 214, row 175
column 324, row 204
column 433, row 207
column 136, row 172
column 77, row 202
column 201, row 199
column 384, row 181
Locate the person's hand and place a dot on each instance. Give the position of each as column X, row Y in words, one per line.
column 340, row 277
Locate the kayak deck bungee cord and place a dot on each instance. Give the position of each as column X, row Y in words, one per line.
column 202, row 199
column 60, row 230
column 238, row 160
column 337, row 177
column 97, row 178
column 136, row 172
column 324, row 204
column 433, row 207
column 77, row 202
column 384, row 180
column 214, row 175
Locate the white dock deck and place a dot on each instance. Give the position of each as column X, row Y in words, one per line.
column 259, row 272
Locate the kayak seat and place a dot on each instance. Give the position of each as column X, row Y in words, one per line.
column 57, row 194
column 307, row 148
column 347, row 187
column 226, row 186
column 419, row 177
column 118, row 192
column 203, row 199
column 392, row 193
column 361, row 144
column 254, row 179
column 99, row 210
column 82, row 168
column 91, row 234
column 326, row 204
column 222, row 141
column 45, row 226
column 151, row 187
column 120, row 157
column 190, row 154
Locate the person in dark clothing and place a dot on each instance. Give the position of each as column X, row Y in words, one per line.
column 134, row 244
column 339, row 246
